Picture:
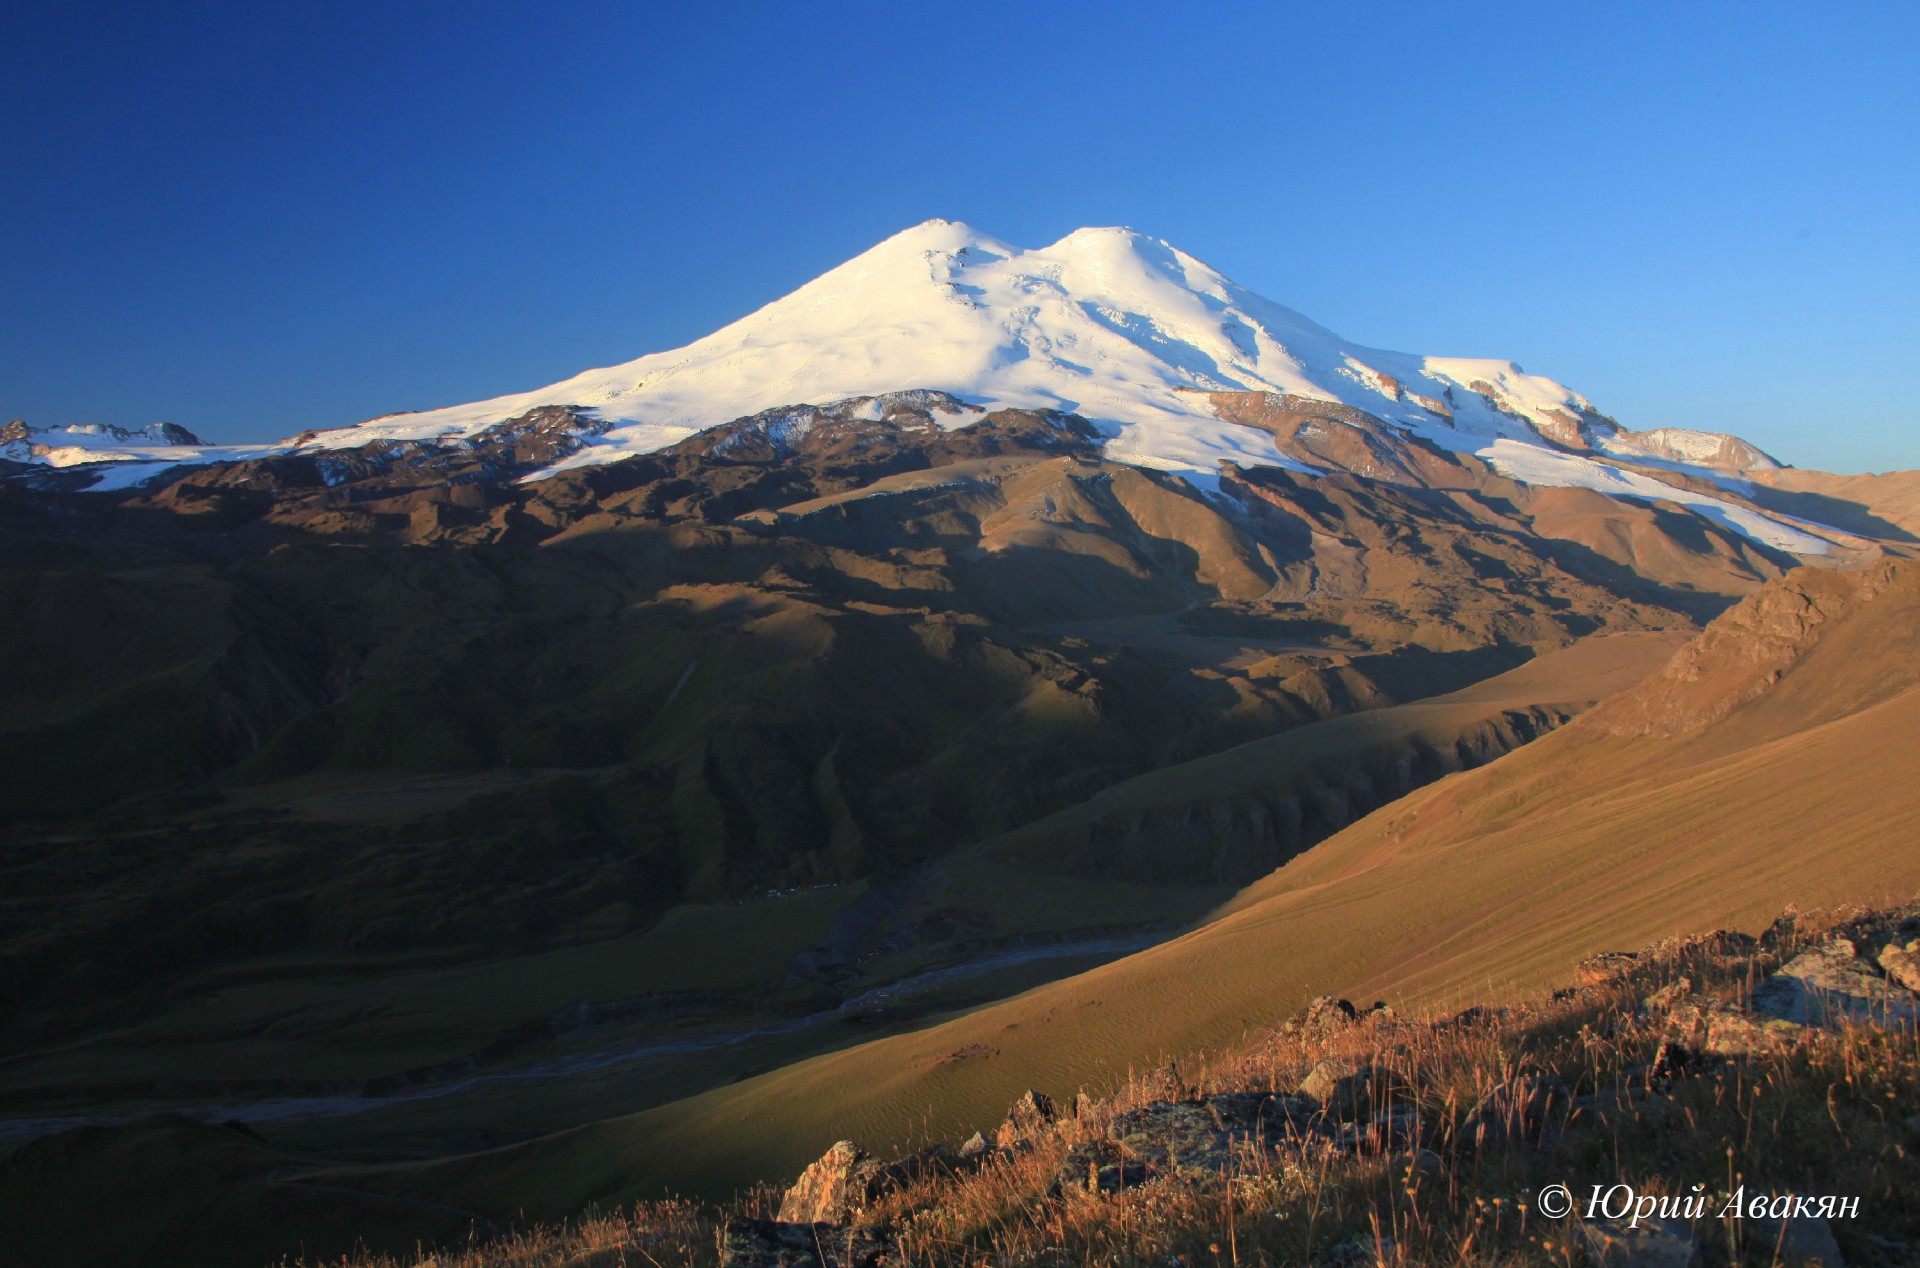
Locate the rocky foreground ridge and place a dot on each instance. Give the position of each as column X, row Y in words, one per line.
column 1716, row 1099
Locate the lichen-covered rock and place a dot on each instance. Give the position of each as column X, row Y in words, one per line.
column 1707, row 1025
column 1831, row 984
column 779, row 1244
column 1214, row 1133
column 1902, row 964
column 834, row 1189
column 1344, row 1088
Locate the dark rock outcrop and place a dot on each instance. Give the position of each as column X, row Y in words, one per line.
column 779, row 1244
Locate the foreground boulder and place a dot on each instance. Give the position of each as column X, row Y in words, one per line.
column 1322, row 1016
column 1705, row 1025
column 777, row 1244
column 835, row 1189
column 847, row 1180
column 1345, row 1088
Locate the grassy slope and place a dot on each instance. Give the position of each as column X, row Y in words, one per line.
column 1573, row 679
column 1491, row 881
column 1204, row 989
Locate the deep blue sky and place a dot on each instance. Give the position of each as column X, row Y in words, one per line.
column 257, row 217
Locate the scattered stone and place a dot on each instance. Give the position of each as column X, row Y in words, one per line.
column 1519, row 1110
column 779, row 1244
column 1608, row 966
column 1344, row 1088
column 1654, row 1243
column 976, row 1145
column 1830, row 984
column 1322, row 1016
column 834, row 1189
column 1902, row 964
column 1802, row 1243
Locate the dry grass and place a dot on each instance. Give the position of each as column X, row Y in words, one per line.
column 1824, row 1113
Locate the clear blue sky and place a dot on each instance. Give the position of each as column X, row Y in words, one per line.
column 257, row 217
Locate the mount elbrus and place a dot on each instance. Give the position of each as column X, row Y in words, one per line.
column 968, row 618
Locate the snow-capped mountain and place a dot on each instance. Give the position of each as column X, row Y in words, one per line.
column 1110, row 324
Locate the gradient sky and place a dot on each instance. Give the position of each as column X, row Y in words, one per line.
column 255, row 218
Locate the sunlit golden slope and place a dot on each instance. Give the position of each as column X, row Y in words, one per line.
column 1770, row 761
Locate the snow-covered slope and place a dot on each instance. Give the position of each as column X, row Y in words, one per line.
column 1110, row 324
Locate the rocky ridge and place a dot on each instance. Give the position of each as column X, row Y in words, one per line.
column 1839, row 982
